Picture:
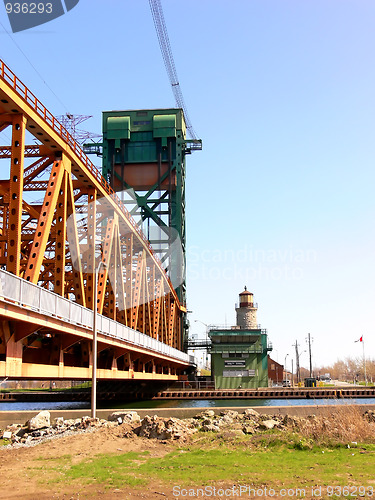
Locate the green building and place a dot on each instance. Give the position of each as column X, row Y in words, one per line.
column 239, row 353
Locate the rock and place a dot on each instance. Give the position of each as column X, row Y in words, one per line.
column 268, row 424
column 126, row 416
column 220, row 422
column 230, row 414
column 250, row 412
column 164, row 428
column 88, row 422
column 248, row 429
column 292, row 421
column 20, row 432
column 72, row 422
column 206, row 414
column 41, row 420
column 58, row 422
column 226, row 420
column 206, row 421
column 210, row 428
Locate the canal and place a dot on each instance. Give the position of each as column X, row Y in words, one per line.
column 203, row 403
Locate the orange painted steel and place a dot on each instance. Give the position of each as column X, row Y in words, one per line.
column 58, row 241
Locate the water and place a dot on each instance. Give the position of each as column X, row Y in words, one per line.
column 40, row 405
column 203, row 403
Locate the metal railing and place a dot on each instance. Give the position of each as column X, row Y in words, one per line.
column 254, row 305
column 222, row 348
column 24, row 294
column 235, row 328
column 191, row 385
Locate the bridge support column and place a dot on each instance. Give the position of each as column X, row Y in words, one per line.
column 13, row 356
column 114, row 366
column 90, row 356
column 61, row 364
column 131, row 366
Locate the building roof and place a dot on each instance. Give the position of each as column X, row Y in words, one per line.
column 245, row 292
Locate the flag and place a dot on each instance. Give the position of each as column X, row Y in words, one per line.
column 359, row 340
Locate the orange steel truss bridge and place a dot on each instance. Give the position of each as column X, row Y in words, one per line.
column 62, row 231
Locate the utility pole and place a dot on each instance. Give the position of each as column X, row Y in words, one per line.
column 297, row 362
column 286, row 372
column 309, row 340
column 292, row 374
column 364, row 360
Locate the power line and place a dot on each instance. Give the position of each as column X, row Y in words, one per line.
column 165, row 47
column 34, row 68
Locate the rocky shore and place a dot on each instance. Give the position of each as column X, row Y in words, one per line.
column 229, row 422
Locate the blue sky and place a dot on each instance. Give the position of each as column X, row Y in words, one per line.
column 281, row 198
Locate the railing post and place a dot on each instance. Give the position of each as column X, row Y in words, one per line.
column 20, row 297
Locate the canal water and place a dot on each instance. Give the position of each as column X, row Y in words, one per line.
column 202, row 403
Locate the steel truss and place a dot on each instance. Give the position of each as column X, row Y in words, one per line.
column 59, row 218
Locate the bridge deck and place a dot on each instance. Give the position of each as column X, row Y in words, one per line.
column 33, row 307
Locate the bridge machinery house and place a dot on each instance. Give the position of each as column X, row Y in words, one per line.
column 239, row 353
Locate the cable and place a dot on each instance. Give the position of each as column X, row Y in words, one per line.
column 165, row 47
column 34, row 68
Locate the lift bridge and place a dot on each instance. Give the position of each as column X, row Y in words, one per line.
column 68, row 239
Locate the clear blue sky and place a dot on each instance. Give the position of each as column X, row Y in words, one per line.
column 281, row 198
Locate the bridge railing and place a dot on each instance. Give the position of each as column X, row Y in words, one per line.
column 27, row 295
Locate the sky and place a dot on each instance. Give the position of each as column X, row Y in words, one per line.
column 281, row 198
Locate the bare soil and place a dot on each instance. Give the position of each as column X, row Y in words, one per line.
column 23, row 478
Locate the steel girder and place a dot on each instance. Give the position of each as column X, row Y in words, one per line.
column 58, row 241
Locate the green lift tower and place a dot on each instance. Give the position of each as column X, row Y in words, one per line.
column 144, row 159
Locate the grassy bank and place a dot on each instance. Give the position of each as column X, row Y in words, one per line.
column 328, row 457
column 273, row 461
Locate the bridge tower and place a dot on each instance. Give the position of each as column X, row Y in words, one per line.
column 144, row 158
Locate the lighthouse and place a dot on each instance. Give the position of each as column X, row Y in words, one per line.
column 239, row 353
column 246, row 311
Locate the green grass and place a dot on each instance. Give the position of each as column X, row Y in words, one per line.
column 271, row 460
column 282, row 464
column 110, row 470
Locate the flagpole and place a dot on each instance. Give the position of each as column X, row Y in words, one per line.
column 364, row 359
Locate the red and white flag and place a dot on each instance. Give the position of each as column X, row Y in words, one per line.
column 359, row 340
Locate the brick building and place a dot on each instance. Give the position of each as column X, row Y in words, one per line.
column 275, row 371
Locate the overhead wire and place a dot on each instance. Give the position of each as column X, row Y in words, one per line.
column 166, row 50
column 34, row 68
